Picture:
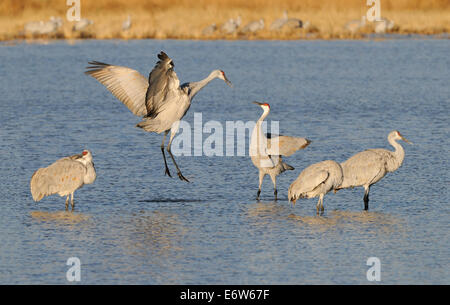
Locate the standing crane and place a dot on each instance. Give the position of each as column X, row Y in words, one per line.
column 266, row 151
column 369, row 166
column 63, row 177
column 316, row 180
column 160, row 100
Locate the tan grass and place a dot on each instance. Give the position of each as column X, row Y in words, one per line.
column 185, row 19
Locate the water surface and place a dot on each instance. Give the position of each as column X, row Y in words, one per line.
column 135, row 225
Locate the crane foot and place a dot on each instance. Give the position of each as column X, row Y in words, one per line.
column 182, row 177
column 168, row 172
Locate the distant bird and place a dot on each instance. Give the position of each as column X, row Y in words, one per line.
column 209, row 30
column 266, row 151
column 316, row 180
column 291, row 23
column 369, row 166
column 63, row 177
column 126, row 25
column 160, row 100
column 383, row 25
column 254, row 26
column 354, row 26
column 231, row 26
column 279, row 23
column 43, row 27
column 82, row 25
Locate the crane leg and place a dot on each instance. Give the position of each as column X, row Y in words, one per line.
column 180, row 175
column 274, row 181
column 73, row 204
column 67, row 203
column 261, row 178
column 366, row 198
column 319, row 206
column 164, row 155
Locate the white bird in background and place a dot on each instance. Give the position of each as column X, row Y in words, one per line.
column 126, row 25
column 160, row 100
column 316, row 180
column 63, row 177
column 369, row 166
column 354, row 26
column 266, row 151
column 383, row 25
column 82, row 25
column 43, row 27
column 231, row 25
column 254, row 26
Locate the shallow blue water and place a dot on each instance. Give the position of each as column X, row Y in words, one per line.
column 135, row 225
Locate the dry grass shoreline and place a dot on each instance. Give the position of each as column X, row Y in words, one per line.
column 184, row 19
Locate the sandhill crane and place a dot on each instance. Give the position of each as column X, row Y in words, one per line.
column 209, row 30
column 369, row 166
column 126, row 25
column 355, row 25
column 266, row 151
column 279, row 23
column 82, row 25
column 231, row 25
column 383, row 25
column 160, row 100
column 63, row 177
column 253, row 26
column 291, row 23
column 316, row 180
column 43, row 27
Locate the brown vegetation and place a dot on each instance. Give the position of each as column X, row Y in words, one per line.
column 185, row 19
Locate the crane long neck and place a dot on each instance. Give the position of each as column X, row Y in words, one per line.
column 195, row 87
column 399, row 152
column 260, row 120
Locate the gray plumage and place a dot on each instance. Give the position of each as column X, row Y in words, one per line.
column 231, row 26
column 82, row 25
column 126, row 25
column 279, row 23
column 316, row 180
column 160, row 100
column 370, row 166
column 354, row 26
column 63, row 177
column 383, row 25
column 266, row 151
column 43, row 27
column 253, row 26
column 209, row 30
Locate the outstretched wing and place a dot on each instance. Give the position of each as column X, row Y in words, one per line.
column 163, row 84
column 279, row 145
column 127, row 85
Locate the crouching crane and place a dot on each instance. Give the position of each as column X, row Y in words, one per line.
column 316, row 180
column 63, row 177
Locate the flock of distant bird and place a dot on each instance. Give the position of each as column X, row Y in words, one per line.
column 230, row 27
column 162, row 102
column 55, row 23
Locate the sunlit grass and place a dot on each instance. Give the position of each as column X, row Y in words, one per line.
column 186, row 19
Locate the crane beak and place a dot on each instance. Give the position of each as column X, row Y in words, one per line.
column 227, row 81
column 257, row 103
column 407, row 141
